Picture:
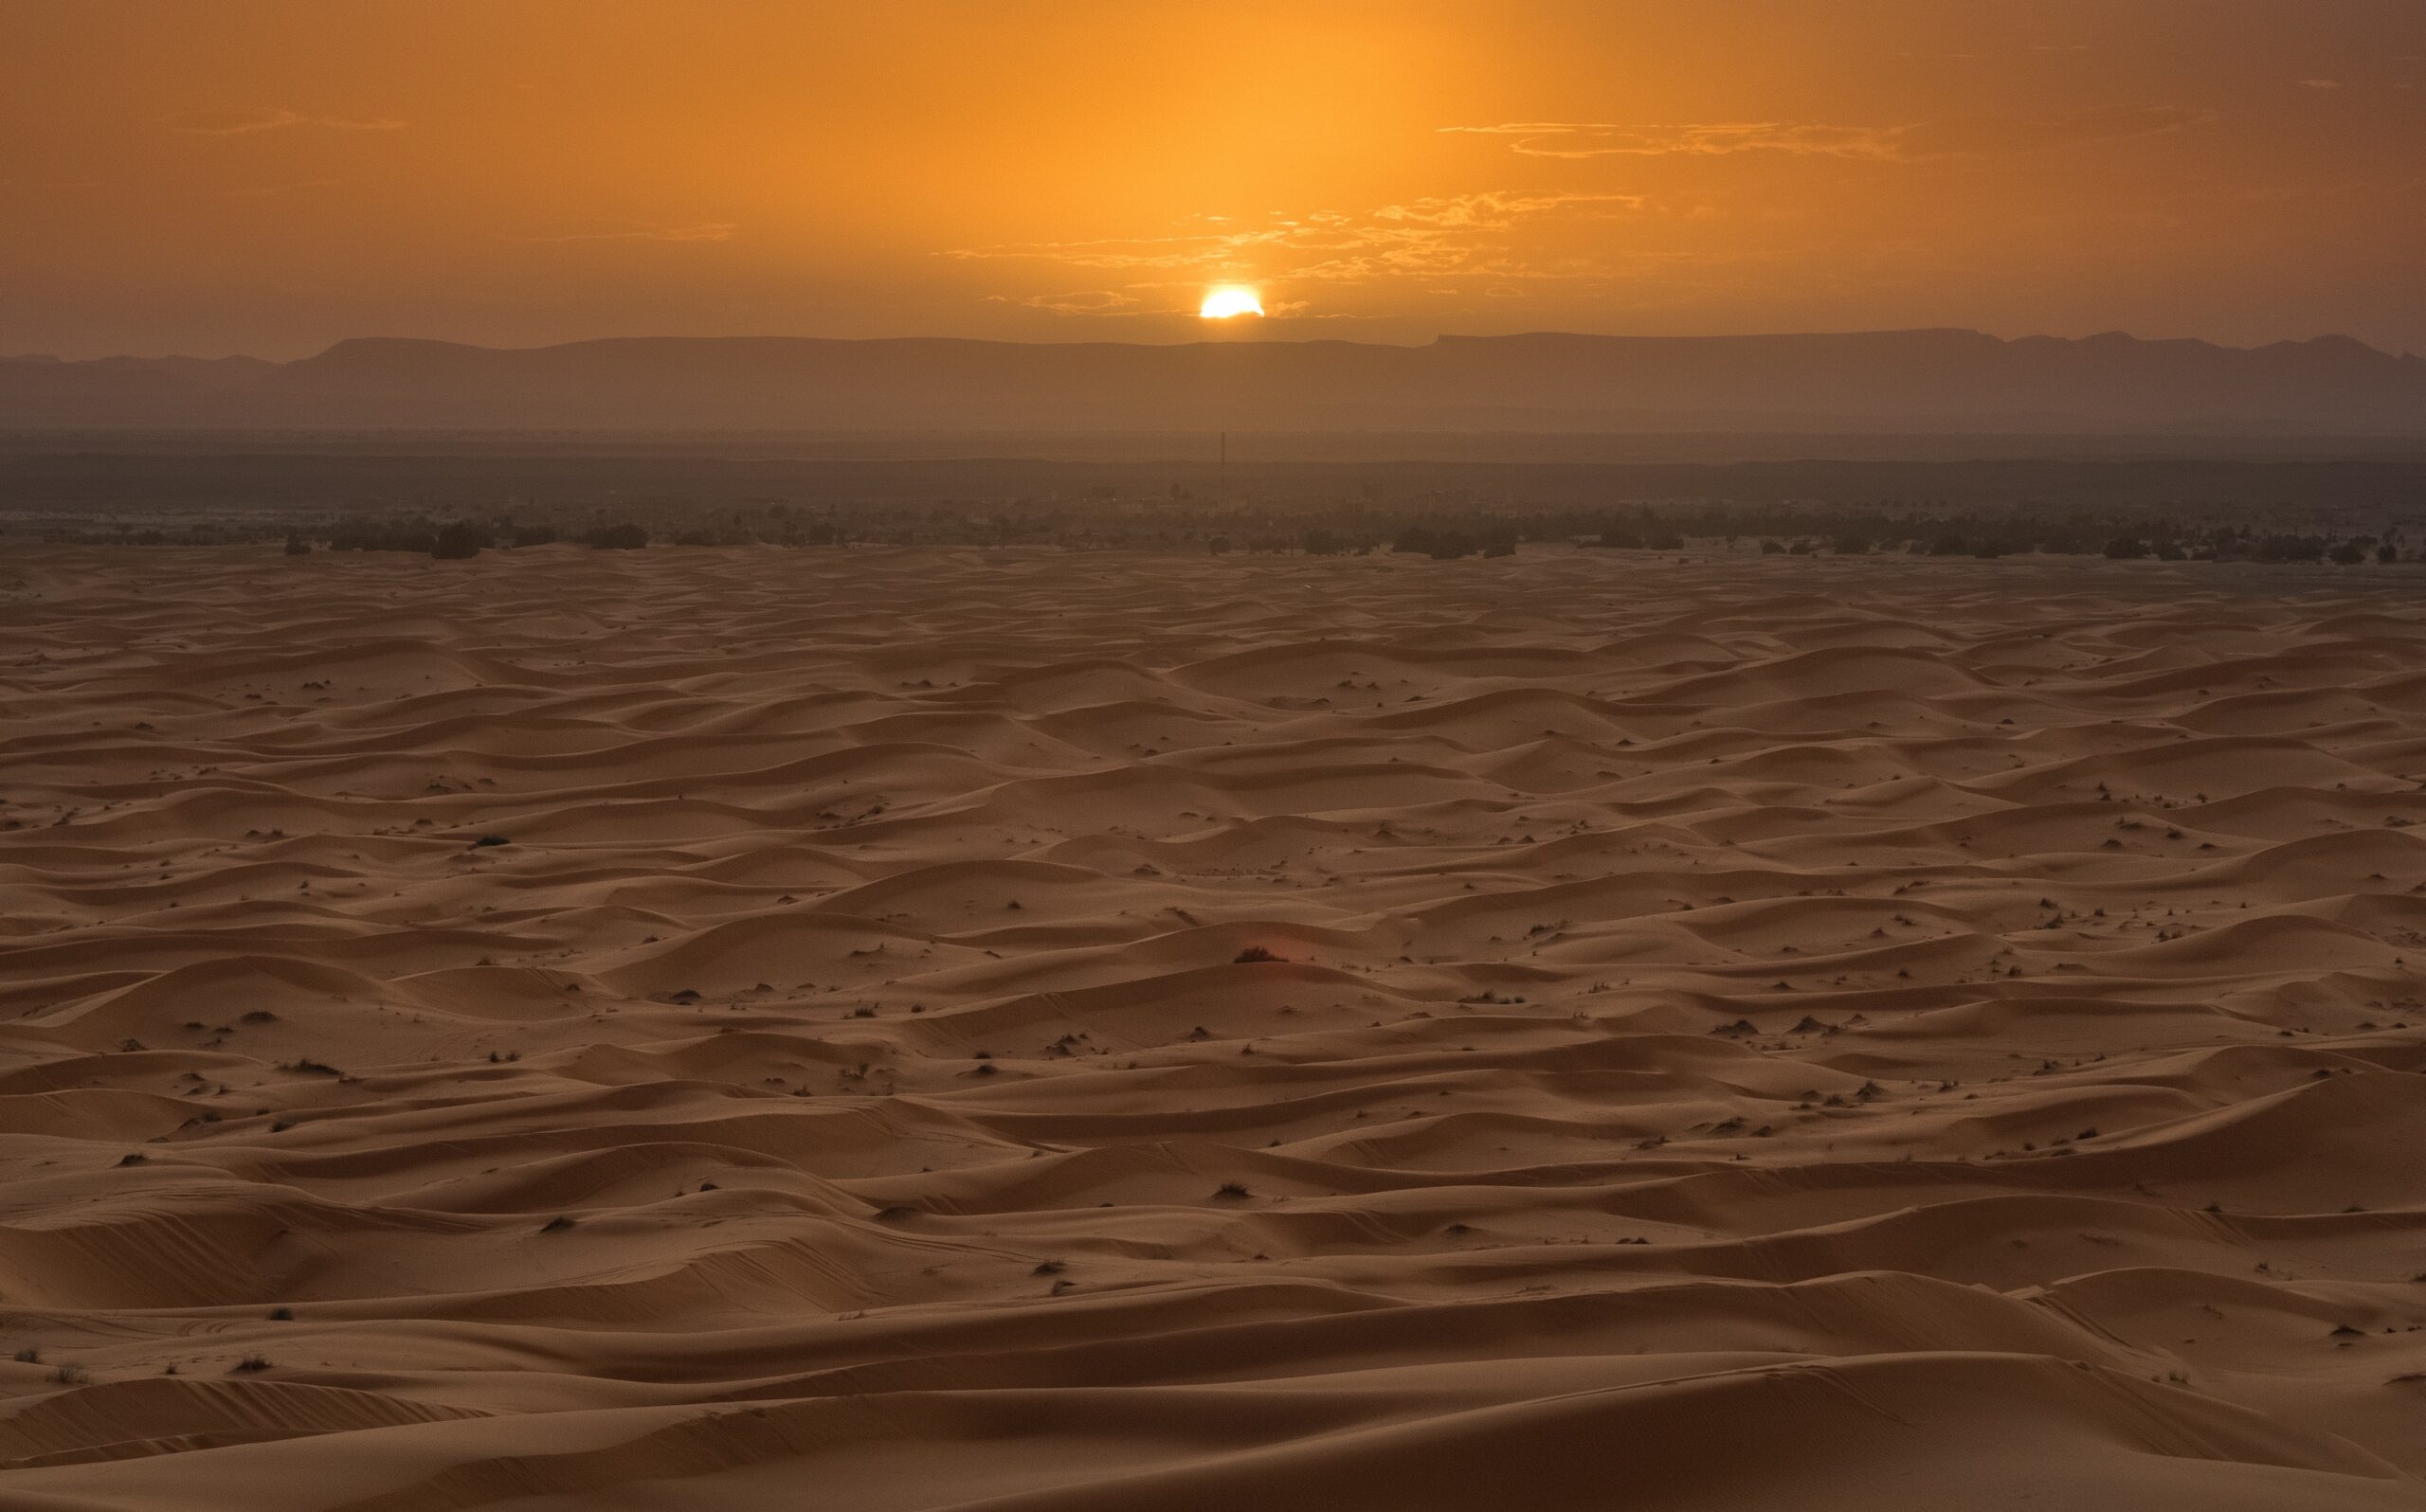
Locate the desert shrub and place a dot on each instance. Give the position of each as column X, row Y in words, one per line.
column 460, row 540
column 2290, row 548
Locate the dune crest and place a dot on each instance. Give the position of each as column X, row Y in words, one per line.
column 737, row 1028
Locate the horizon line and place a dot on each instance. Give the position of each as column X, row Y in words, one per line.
column 1235, row 340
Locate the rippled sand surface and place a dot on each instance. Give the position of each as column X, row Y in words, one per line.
column 703, row 1028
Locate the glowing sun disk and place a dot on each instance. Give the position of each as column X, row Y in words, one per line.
column 1223, row 300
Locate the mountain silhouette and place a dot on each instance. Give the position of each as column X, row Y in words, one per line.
column 1917, row 380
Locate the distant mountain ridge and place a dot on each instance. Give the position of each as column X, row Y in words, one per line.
column 1917, row 380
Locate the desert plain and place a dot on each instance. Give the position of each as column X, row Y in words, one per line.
column 915, row 1030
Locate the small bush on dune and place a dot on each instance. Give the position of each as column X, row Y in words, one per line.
column 460, row 541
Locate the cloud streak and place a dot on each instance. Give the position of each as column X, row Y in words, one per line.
column 252, row 122
column 646, row 231
column 1082, row 302
column 1458, row 238
column 1916, row 142
column 1497, row 210
column 1433, row 233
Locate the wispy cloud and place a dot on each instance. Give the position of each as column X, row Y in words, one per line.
column 1919, row 141
column 1083, row 302
column 2320, row 84
column 1485, row 236
column 1437, row 232
column 248, row 123
column 271, row 191
column 53, row 184
column 1554, row 139
column 1497, row 209
column 645, row 231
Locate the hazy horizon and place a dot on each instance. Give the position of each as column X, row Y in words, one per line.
column 1188, row 338
column 1540, row 382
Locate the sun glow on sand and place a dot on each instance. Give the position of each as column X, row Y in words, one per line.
column 1223, row 300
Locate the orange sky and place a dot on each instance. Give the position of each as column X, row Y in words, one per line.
column 270, row 175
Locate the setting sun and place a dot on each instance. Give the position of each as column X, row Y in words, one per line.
column 1225, row 301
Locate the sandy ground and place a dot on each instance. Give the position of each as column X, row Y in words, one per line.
column 1744, row 1034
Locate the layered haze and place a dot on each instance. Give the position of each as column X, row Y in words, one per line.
column 1917, row 380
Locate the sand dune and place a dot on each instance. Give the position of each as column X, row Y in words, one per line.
column 708, row 1028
